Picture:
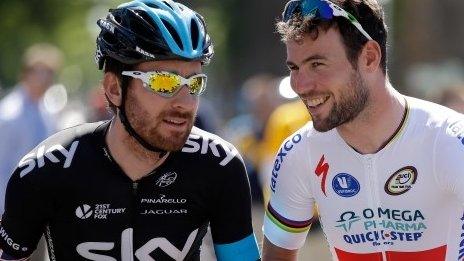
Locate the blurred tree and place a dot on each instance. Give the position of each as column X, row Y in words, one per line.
column 71, row 25
column 26, row 22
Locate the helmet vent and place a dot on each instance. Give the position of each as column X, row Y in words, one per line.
column 152, row 5
column 118, row 19
column 109, row 38
column 195, row 33
column 147, row 19
column 173, row 33
column 166, row 3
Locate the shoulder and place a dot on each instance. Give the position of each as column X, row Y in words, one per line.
column 60, row 149
column 211, row 147
column 431, row 115
column 436, row 122
column 439, row 127
column 441, row 135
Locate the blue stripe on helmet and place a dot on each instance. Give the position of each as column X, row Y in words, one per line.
column 180, row 20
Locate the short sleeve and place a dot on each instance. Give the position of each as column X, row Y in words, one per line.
column 289, row 212
column 23, row 221
column 231, row 225
column 448, row 158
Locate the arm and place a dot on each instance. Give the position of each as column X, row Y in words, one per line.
column 231, row 225
column 272, row 252
column 6, row 257
column 289, row 212
column 22, row 223
column 448, row 154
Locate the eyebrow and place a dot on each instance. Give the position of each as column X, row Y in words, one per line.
column 308, row 59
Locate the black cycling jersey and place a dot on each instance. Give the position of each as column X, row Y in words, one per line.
column 70, row 189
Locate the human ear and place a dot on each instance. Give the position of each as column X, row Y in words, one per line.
column 112, row 88
column 371, row 56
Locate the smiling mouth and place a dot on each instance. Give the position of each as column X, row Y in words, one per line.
column 176, row 122
column 317, row 101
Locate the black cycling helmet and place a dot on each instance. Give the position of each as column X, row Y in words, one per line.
column 147, row 30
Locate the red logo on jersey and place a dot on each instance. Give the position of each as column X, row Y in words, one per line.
column 322, row 169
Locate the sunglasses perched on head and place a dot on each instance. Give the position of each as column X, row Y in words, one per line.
column 320, row 9
column 167, row 84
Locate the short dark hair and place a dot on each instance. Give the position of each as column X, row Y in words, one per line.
column 368, row 12
column 116, row 67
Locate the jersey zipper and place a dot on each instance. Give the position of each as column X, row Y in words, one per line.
column 134, row 213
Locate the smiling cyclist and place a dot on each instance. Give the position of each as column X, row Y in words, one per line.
column 385, row 170
column 146, row 184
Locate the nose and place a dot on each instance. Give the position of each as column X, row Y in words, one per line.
column 184, row 101
column 302, row 82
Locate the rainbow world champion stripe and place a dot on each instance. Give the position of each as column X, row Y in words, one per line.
column 287, row 224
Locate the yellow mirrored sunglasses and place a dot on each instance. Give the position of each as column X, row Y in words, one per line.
column 167, row 84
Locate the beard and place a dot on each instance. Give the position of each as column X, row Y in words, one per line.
column 149, row 127
column 353, row 100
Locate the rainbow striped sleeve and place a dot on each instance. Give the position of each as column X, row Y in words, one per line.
column 287, row 224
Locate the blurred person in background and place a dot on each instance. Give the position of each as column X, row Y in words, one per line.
column 207, row 116
column 384, row 169
column 97, row 106
column 283, row 121
column 24, row 120
column 145, row 184
column 258, row 98
column 452, row 97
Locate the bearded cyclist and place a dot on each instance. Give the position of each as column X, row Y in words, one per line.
column 146, row 184
column 384, row 169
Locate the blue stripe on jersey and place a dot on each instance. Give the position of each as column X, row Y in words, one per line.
column 243, row 250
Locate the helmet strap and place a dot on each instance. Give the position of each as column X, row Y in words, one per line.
column 131, row 131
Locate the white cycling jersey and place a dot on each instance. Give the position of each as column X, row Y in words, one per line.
column 405, row 202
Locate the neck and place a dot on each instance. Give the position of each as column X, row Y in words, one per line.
column 133, row 158
column 372, row 129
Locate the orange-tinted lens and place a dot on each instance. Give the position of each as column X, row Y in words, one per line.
column 164, row 83
column 197, row 85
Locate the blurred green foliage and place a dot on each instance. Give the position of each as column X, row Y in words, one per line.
column 62, row 23
column 71, row 25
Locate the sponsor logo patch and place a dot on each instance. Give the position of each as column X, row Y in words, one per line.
column 10, row 242
column 140, row 50
column 164, row 211
column 54, row 154
column 381, row 226
column 108, row 26
column 162, row 199
column 322, row 169
column 218, row 148
column 97, row 211
column 166, row 179
column 287, row 147
column 84, row 211
column 456, row 129
column 347, row 219
column 401, row 181
column 127, row 252
column 345, row 185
